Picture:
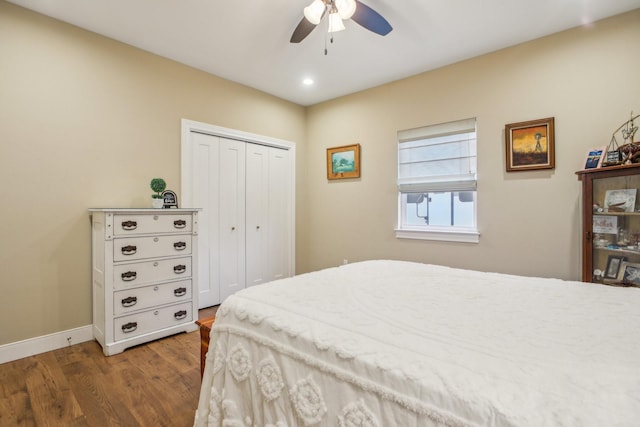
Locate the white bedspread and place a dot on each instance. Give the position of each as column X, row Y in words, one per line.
column 388, row 343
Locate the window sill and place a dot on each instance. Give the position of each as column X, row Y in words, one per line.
column 440, row 235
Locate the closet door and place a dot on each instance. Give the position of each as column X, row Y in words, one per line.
column 278, row 251
column 231, row 205
column 245, row 194
column 257, row 214
column 268, row 214
column 206, row 157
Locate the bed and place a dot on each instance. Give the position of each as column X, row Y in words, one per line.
column 392, row 343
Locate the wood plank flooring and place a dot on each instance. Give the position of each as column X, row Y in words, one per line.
column 154, row 384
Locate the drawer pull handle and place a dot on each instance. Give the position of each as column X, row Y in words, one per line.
column 179, row 269
column 179, row 223
column 129, row 250
column 180, row 246
column 129, row 301
column 129, row 225
column 179, row 315
column 129, row 327
column 128, row 276
column 180, row 292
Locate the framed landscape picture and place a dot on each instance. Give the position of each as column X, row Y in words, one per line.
column 343, row 162
column 530, row 145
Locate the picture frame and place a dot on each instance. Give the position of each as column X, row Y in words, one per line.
column 343, row 162
column 614, row 262
column 595, row 158
column 629, row 273
column 530, row 145
column 170, row 199
column 605, row 224
column 623, row 200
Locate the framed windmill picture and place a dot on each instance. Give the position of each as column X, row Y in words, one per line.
column 530, row 145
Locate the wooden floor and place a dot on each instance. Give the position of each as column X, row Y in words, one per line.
column 154, row 384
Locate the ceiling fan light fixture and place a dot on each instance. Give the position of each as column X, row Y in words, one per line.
column 346, row 8
column 314, row 11
column 335, row 22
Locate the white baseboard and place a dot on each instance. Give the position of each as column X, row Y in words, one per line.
column 20, row 349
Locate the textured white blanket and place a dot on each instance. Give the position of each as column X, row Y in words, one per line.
column 389, row 343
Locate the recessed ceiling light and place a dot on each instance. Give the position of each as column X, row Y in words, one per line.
column 307, row 82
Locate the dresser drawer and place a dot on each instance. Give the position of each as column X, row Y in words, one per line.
column 150, row 321
column 139, row 273
column 129, row 300
column 134, row 248
column 124, row 225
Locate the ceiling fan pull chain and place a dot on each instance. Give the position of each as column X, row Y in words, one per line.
column 326, row 34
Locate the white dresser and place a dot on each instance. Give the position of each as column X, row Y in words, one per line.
column 144, row 275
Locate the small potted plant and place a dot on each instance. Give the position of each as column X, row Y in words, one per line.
column 158, row 185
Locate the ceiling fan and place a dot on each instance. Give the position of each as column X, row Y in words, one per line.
column 339, row 10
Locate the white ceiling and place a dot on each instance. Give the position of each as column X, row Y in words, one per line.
column 247, row 41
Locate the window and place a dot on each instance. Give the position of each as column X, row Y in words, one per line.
column 437, row 182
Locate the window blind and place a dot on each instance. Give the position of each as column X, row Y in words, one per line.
column 441, row 157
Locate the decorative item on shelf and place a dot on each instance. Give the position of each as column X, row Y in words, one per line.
column 629, row 274
column 158, row 185
column 594, row 158
column 613, row 266
column 623, row 200
column 170, row 199
column 629, row 151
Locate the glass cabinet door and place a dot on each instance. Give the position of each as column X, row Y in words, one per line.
column 611, row 218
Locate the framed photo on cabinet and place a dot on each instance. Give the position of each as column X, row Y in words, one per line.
column 530, row 145
column 595, row 157
column 613, row 266
column 623, row 200
column 629, row 273
column 343, row 162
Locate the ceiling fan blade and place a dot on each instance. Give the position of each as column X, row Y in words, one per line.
column 371, row 20
column 303, row 29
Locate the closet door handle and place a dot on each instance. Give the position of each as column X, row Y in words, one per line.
column 129, row 250
column 129, row 301
column 180, row 292
column 179, row 223
column 179, row 269
column 128, row 276
column 129, row 225
column 129, row 327
column 180, row 246
column 179, row 315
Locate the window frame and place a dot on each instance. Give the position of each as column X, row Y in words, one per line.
column 463, row 234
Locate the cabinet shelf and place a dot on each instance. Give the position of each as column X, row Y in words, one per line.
column 618, row 213
column 619, row 250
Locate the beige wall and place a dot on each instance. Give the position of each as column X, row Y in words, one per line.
column 587, row 78
column 87, row 122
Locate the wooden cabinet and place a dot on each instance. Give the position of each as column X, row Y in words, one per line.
column 144, row 275
column 611, row 225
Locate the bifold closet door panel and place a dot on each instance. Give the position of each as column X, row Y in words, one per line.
column 278, row 253
column 257, row 213
column 231, row 207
